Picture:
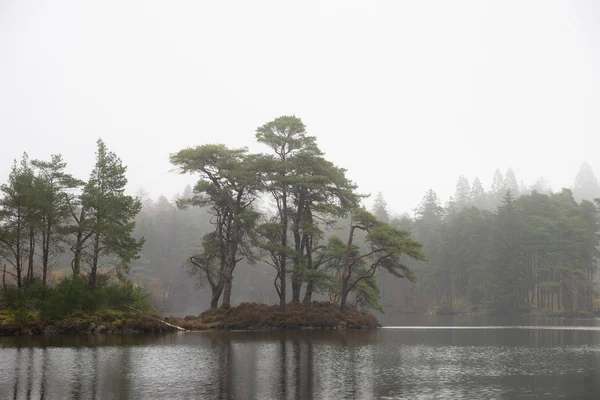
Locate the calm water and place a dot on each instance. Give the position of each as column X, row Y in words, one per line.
column 418, row 358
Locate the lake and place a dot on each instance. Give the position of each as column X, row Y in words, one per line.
column 415, row 357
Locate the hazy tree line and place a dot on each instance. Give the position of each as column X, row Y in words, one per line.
column 509, row 248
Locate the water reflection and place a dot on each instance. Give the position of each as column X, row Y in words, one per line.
column 408, row 363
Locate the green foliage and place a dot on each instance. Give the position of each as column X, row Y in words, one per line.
column 72, row 295
column 14, row 298
column 387, row 248
column 109, row 214
column 367, row 295
column 228, row 184
column 537, row 250
column 19, row 216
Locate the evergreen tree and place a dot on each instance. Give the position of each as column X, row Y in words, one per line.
column 507, row 286
column 510, row 183
column 498, row 184
column 478, row 194
column 228, row 184
column 428, row 216
column 380, row 208
column 55, row 187
column 285, row 136
column 462, row 195
column 541, row 186
column 110, row 214
column 303, row 185
column 17, row 216
column 386, row 246
column 586, row 185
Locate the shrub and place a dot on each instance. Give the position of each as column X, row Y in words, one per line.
column 72, row 295
column 460, row 306
column 15, row 298
column 444, row 309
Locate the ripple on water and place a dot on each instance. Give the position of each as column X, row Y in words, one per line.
column 411, row 363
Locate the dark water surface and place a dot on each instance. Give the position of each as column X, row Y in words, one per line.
column 416, row 358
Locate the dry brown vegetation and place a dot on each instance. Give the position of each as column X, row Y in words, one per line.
column 254, row 316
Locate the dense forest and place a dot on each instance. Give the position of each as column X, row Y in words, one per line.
column 288, row 225
column 511, row 248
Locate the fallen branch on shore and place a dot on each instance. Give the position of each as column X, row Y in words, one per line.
column 158, row 319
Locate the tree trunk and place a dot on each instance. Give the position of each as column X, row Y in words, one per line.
column 309, row 266
column 4, row 278
column 45, row 254
column 214, row 300
column 95, row 256
column 299, row 245
column 227, row 292
column 232, row 247
column 344, row 297
column 346, row 272
column 31, row 255
column 296, row 287
column 76, row 263
column 308, row 295
column 216, row 291
column 296, row 279
column 18, row 271
column 282, row 255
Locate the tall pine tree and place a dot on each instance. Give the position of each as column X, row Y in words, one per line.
column 110, row 215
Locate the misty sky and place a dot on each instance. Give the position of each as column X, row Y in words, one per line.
column 405, row 95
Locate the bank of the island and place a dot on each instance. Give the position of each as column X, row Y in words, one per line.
column 99, row 322
column 71, row 307
column 255, row 316
column 246, row 316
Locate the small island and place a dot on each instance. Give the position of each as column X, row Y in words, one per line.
column 254, row 316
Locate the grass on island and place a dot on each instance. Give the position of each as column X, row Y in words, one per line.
column 254, row 316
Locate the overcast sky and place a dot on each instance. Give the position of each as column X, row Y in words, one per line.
column 405, row 95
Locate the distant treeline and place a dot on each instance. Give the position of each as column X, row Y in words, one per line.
column 511, row 248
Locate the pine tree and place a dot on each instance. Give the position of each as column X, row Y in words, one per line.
column 380, row 208
column 18, row 216
column 228, row 184
column 510, row 183
column 386, row 248
column 462, row 195
column 498, row 184
column 429, row 215
column 541, row 186
column 110, row 214
column 586, row 185
column 54, row 190
column 478, row 194
column 508, row 288
column 301, row 183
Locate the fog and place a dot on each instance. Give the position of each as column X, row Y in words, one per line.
column 405, row 95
